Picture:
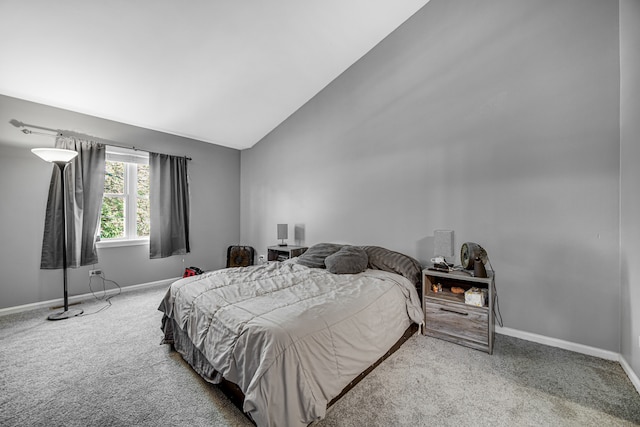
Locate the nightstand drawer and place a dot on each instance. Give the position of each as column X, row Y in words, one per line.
column 461, row 322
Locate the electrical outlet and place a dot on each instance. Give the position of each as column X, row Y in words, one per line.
column 95, row 273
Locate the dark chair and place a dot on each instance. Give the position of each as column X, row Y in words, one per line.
column 240, row 256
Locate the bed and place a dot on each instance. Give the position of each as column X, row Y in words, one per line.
column 291, row 336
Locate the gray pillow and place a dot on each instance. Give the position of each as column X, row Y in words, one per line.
column 348, row 260
column 314, row 256
column 394, row 262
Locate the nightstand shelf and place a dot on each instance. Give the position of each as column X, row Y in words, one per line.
column 448, row 317
column 282, row 253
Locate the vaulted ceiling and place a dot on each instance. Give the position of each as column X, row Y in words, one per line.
column 220, row 71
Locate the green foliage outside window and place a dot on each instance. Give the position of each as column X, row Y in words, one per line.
column 114, row 178
column 142, row 208
column 112, row 215
column 114, row 206
column 112, row 218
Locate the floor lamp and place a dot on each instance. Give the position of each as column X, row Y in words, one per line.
column 61, row 158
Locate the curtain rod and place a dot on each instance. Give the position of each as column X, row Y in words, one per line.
column 25, row 129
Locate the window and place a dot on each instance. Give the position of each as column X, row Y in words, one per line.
column 125, row 204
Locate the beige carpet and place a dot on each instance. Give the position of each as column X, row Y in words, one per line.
column 109, row 369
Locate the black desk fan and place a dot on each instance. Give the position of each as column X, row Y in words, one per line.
column 474, row 257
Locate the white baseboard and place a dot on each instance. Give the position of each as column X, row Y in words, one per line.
column 632, row 375
column 78, row 298
column 578, row 348
column 555, row 342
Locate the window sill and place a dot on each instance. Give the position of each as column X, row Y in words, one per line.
column 121, row 242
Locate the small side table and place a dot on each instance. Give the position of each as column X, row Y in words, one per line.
column 282, row 253
column 448, row 317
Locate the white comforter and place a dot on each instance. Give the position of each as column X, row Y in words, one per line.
column 289, row 336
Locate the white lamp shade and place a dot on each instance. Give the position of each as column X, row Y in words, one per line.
column 443, row 243
column 54, row 154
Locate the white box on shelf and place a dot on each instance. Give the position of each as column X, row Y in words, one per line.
column 476, row 296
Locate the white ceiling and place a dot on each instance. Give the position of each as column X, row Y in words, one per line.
column 220, row 71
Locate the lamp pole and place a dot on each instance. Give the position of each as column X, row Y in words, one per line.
column 61, row 167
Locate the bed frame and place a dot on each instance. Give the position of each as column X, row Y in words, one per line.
column 234, row 393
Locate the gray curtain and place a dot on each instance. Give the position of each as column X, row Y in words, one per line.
column 84, row 177
column 169, row 200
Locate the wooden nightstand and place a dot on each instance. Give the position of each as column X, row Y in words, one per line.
column 282, row 253
column 448, row 317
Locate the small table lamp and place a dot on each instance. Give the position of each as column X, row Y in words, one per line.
column 443, row 243
column 283, row 233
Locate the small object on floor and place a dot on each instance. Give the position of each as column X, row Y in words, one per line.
column 192, row 271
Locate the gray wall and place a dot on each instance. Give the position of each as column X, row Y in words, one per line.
column 629, row 179
column 497, row 119
column 24, row 182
